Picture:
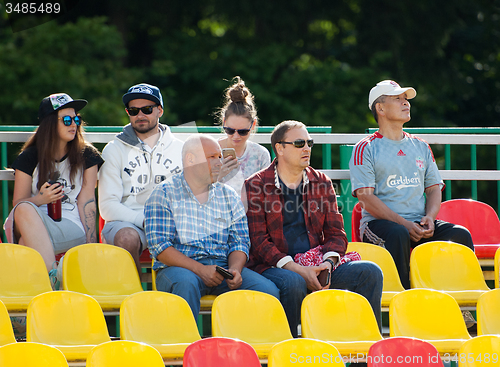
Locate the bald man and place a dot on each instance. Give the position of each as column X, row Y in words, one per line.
column 194, row 224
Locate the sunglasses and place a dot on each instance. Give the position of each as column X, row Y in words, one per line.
column 231, row 131
column 147, row 110
column 299, row 143
column 67, row 120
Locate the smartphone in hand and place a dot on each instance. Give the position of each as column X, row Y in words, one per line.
column 324, row 277
column 226, row 274
column 226, row 152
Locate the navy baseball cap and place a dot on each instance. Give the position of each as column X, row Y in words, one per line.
column 143, row 91
column 58, row 101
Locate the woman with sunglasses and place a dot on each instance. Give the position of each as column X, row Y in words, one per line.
column 55, row 164
column 239, row 119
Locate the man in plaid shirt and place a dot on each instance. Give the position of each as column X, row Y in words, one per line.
column 292, row 208
column 194, row 223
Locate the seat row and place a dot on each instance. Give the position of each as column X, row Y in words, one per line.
column 74, row 322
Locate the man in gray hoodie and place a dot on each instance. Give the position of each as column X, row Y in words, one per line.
column 144, row 154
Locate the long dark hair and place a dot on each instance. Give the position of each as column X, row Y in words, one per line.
column 45, row 139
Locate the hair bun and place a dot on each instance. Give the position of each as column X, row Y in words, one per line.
column 238, row 92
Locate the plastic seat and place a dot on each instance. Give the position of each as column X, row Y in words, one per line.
column 70, row 321
column 310, row 352
column 162, row 320
column 448, row 267
column 23, row 275
column 206, row 302
column 342, row 318
column 488, row 313
column 31, row 354
column 105, row 272
column 476, row 216
column 355, row 222
column 482, row 350
column 220, row 352
column 383, row 258
column 429, row 315
column 123, row 353
column 254, row 317
column 497, row 269
column 6, row 332
column 403, row 351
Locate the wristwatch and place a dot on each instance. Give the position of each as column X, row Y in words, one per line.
column 331, row 262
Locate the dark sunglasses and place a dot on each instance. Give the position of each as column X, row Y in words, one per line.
column 67, row 120
column 241, row 132
column 299, row 143
column 147, row 110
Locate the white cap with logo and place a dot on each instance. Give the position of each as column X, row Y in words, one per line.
column 389, row 88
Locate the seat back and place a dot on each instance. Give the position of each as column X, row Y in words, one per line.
column 31, row 354
column 487, row 311
column 102, row 222
column 497, row 268
column 475, row 216
column 6, row 331
column 355, row 222
column 382, row 258
column 220, row 352
column 443, row 318
column 338, row 315
column 123, row 353
column 65, row 318
column 290, row 353
column 251, row 316
column 157, row 318
column 480, row 351
column 410, row 351
column 446, row 266
column 100, row 270
column 22, row 271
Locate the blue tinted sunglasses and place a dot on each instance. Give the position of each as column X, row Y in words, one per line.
column 67, row 120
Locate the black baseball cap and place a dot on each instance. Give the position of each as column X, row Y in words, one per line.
column 58, row 101
column 143, row 91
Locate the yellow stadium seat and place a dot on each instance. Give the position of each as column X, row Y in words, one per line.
column 488, row 313
column 162, row 320
column 23, row 275
column 122, row 353
column 497, row 268
column 342, row 318
column 448, row 267
column 383, row 258
column 70, row 321
column 481, row 351
column 6, row 332
column 429, row 315
column 105, row 272
column 307, row 352
column 31, row 354
column 254, row 317
column 206, row 302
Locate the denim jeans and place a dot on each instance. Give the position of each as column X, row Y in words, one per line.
column 362, row 277
column 188, row 285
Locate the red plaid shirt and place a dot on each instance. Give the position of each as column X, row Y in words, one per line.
column 324, row 223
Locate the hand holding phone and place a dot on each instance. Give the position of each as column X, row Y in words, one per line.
column 226, row 152
column 324, row 277
column 225, row 273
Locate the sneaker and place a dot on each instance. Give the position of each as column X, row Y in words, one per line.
column 54, row 281
column 469, row 319
column 19, row 326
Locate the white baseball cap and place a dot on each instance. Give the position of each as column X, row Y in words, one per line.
column 389, row 88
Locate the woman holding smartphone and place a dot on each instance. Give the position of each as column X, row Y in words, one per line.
column 238, row 118
column 56, row 167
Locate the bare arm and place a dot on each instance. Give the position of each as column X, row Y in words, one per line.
column 22, row 191
column 432, row 206
column 86, row 204
column 371, row 203
column 236, row 262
